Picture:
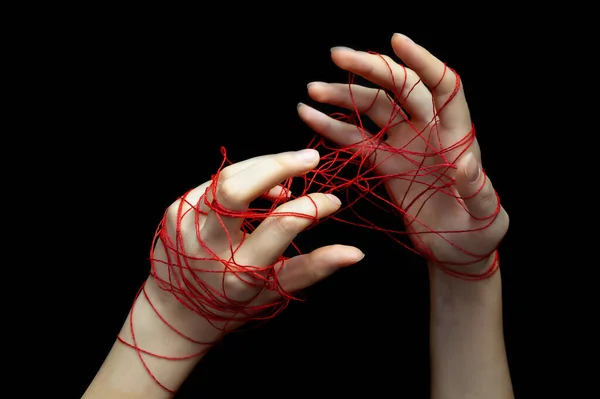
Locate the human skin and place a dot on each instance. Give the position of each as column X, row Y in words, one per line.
column 467, row 345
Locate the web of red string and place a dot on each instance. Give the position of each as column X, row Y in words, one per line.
column 186, row 284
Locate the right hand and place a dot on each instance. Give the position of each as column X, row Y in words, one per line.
column 454, row 218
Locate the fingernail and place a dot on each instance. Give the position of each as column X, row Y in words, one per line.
column 341, row 48
column 472, row 171
column 404, row 37
column 334, row 199
column 299, row 105
column 313, row 83
column 360, row 257
column 308, row 155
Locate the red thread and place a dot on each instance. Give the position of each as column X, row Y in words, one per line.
column 432, row 173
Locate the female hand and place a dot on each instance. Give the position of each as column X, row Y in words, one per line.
column 205, row 265
column 430, row 143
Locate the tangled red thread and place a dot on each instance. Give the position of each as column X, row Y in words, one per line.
column 187, row 283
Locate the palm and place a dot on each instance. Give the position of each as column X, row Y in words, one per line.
column 196, row 268
column 422, row 193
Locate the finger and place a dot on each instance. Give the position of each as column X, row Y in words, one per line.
column 234, row 194
column 347, row 135
column 272, row 237
column 342, row 133
column 476, row 189
column 170, row 249
column 237, row 167
column 304, row 270
column 179, row 213
column 409, row 91
column 445, row 84
column 374, row 103
column 278, row 192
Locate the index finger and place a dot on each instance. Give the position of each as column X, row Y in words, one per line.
column 236, row 192
column 406, row 85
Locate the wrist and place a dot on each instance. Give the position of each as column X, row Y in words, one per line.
column 165, row 344
column 176, row 319
column 456, row 293
column 155, row 352
column 478, row 271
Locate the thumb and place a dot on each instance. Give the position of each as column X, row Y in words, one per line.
column 305, row 270
column 476, row 189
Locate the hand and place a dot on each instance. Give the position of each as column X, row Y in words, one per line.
column 430, row 143
column 206, row 261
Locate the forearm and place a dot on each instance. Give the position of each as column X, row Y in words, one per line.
column 468, row 356
column 124, row 373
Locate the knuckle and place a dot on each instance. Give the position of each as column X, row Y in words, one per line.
column 461, row 86
column 304, row 210
column 389, row 62
column 317, row 273
column 275, row 164
column 487, row 196
column 234, row 284
column 282, row 165
column 453, row 80
column 228, row 193
column 412, row 79
column 173, row 213
column 289, row 224
column 449, row 82
column 227, row 172
column 279, row 162
column 504, row 220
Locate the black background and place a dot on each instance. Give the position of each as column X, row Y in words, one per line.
column 156, row 99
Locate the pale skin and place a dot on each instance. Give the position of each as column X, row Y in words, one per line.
column 467, row 345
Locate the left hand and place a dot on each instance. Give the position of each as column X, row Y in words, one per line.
column 198, row 262
column 466, row 211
